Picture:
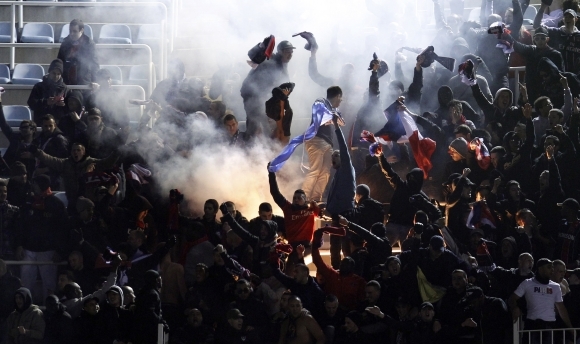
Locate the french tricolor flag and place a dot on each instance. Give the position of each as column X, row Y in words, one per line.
column 480, row 215
column 401, row 128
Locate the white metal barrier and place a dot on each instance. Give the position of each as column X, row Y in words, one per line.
column 516, row 71
column 17, row 8
column 519, row 332
column 146, row 48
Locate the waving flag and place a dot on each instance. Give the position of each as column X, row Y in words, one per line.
column 321, row 113
column 479, row 216
column 481, row 153
column 401, row 128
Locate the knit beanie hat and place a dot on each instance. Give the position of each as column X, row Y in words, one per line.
column 460, row 146
column 56, row 64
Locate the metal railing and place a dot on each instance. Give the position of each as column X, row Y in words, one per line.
column 519, row 332
column 17, row 8
column 516, row 71
column 144, row 47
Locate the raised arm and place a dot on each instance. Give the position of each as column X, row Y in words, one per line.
column 56, row 164
column 6, row 130
column 237, row 228
column 318, row 78
column 280, row 200
column 389, row 173
column 540, row 15
column 518, row 19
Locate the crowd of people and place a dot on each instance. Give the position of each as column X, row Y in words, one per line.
column 487, row 221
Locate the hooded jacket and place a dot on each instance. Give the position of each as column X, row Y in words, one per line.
column 401, row 211
column 445, row 96
column 38, row 99
column 551, row 87
column 15, row 146
column 59, row 325
column 533, row 55
column 277, row 106
column 113, row 323
column 70, row 129
column 30, row 317
column 508, row 117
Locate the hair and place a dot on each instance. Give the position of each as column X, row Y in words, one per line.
column 221, row 107
column 333, row 91
column 229, row 117
column 69, row 274
column 267, row 207
column 460, row 271
column 230, row 204
column 539, row 103
column 463, row 129
column 553, row 138
column 331, row 298
column 76, row 253
column 421, row 215
column 559, row 112
column 28, row 122
column 302, row 267
column 300, row 191
column 3, row 182
column 49, row 118
column 499, row 150
column 374, row 283
column 558, row 262
column 201, row 265
column 522, row 212
column 243, row 281
column 525, row 254
column 456, row 104
column 94, row 112
column 103, row 74
column 214, row 203
column 294, row 298
column 77, row 22
column 77, row 144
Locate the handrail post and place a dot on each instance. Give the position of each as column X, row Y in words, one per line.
column 20, row 16
column 13, row 36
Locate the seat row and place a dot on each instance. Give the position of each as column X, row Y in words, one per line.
column 30, row 74
column 109, row 34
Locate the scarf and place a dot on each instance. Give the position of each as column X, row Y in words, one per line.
column 38, row 201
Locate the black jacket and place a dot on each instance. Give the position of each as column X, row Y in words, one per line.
column 79, row 59
column 37, row 100
column 277, row 106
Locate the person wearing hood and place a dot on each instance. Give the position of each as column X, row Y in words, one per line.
column 59, row 324
column 73, row 167
column 348, row 287
column 543, row 299
column 99, row 140
column 77, row 52
column 18, row 142
column 401, row 212
column 85, row 324
column 367, row 211
column 458, row 207
column 52, row 141
column 259, row 81
column 9, row 284
column 533, row 54
column 262, row 244
column 47, row 96
column 564, row 39
column 169, row 88
column 507, row 255
column 278, row 109
column 70, row 124
column 514, row 201
column 441, row 116
column 25, row 324
column 148, row 310
column 113, row 320
column 300, row 326
column 557, row 85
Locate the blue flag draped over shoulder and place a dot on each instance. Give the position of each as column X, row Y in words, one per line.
column 321, row 113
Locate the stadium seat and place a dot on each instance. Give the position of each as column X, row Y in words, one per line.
column 61, row 195
column 65, row 31
column 116, row 74
column 5, row 32
column 37, row 33
column 27, row 74
column 15, row 114
column 115, row 0
column 115, row 34
column 242, row 126
column 474, row 14
column 149, row 32
column 139, row 75
column 531, row 12
column 4, row 74
column 77, row 0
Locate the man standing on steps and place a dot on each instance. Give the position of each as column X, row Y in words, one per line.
column 78, row 54
column 259, row 82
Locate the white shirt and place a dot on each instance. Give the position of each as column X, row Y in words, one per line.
column 540, row 298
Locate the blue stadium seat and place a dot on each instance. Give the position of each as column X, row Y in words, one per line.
column 531, row 12
column 139, row 75
column 15, row 114
column 27, row 74
column 37, row 33
column 115, row 34
column 4, row 74
column 116, row 74
column 5, row 32
column 149, row 32
column 66, row 29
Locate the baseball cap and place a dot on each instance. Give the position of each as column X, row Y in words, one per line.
column 437, row 243
column 234, row 313
column 570, row 203
column 451, row 178
column 541, row 31
column 570, row 11
column 285, row 45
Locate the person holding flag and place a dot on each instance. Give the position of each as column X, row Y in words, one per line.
column 318, row 143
